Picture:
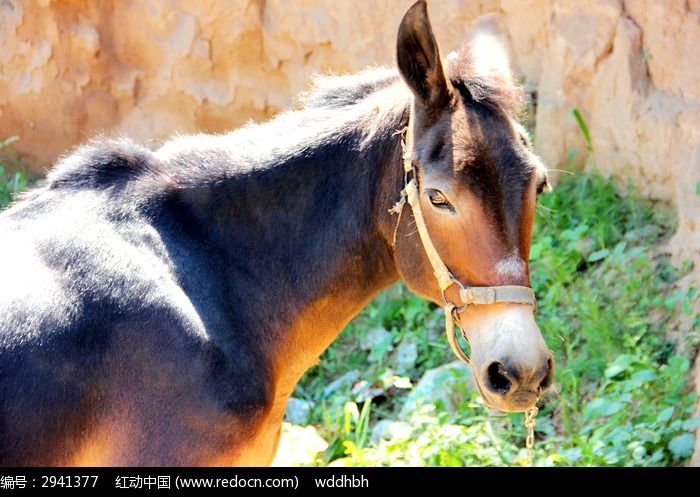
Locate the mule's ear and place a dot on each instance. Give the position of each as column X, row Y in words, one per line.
column 419, row 62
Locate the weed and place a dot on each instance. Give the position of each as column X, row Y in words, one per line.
column 13, row 176
column 584, row 128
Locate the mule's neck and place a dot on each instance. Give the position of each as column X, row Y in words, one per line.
column 307, row 227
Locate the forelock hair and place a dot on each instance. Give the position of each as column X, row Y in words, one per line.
column 492, row 90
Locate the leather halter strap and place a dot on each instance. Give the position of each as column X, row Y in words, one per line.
column 469, row 295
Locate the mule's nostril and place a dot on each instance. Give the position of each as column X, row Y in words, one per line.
column 547, row 381
column 498, row 378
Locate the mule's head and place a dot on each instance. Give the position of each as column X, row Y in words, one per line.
column 478, row 182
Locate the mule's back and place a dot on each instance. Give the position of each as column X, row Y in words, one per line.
column 67, row 243
column 94, row 319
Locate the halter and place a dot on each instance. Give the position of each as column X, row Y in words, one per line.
column 469, row 295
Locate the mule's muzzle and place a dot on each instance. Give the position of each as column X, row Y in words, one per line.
column 511, row 387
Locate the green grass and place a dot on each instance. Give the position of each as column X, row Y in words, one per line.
column 583, row 126
column 607, row 298
column 13, row 177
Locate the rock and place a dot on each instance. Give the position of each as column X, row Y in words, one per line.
column 298, row 446
column 379, row 342
column 298, row 411
column 406, row 355
column 374, row 336
column 445, row 384
column 387, row 429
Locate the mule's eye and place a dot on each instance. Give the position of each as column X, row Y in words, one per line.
column 437, row 198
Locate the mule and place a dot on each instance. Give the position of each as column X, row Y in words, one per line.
column 158, row 306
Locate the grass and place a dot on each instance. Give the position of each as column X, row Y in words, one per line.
column 607, row 298
column 13, row 177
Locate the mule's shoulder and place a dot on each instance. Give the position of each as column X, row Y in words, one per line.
column 100, row 164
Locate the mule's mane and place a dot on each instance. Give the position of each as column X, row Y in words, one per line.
column 336, row 113
column 335, row 91
column 494, row 91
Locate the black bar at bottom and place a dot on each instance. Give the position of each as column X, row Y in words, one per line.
column 303, row 481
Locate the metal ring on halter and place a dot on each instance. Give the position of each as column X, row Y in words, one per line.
column 460, row 309
column 447, row 302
